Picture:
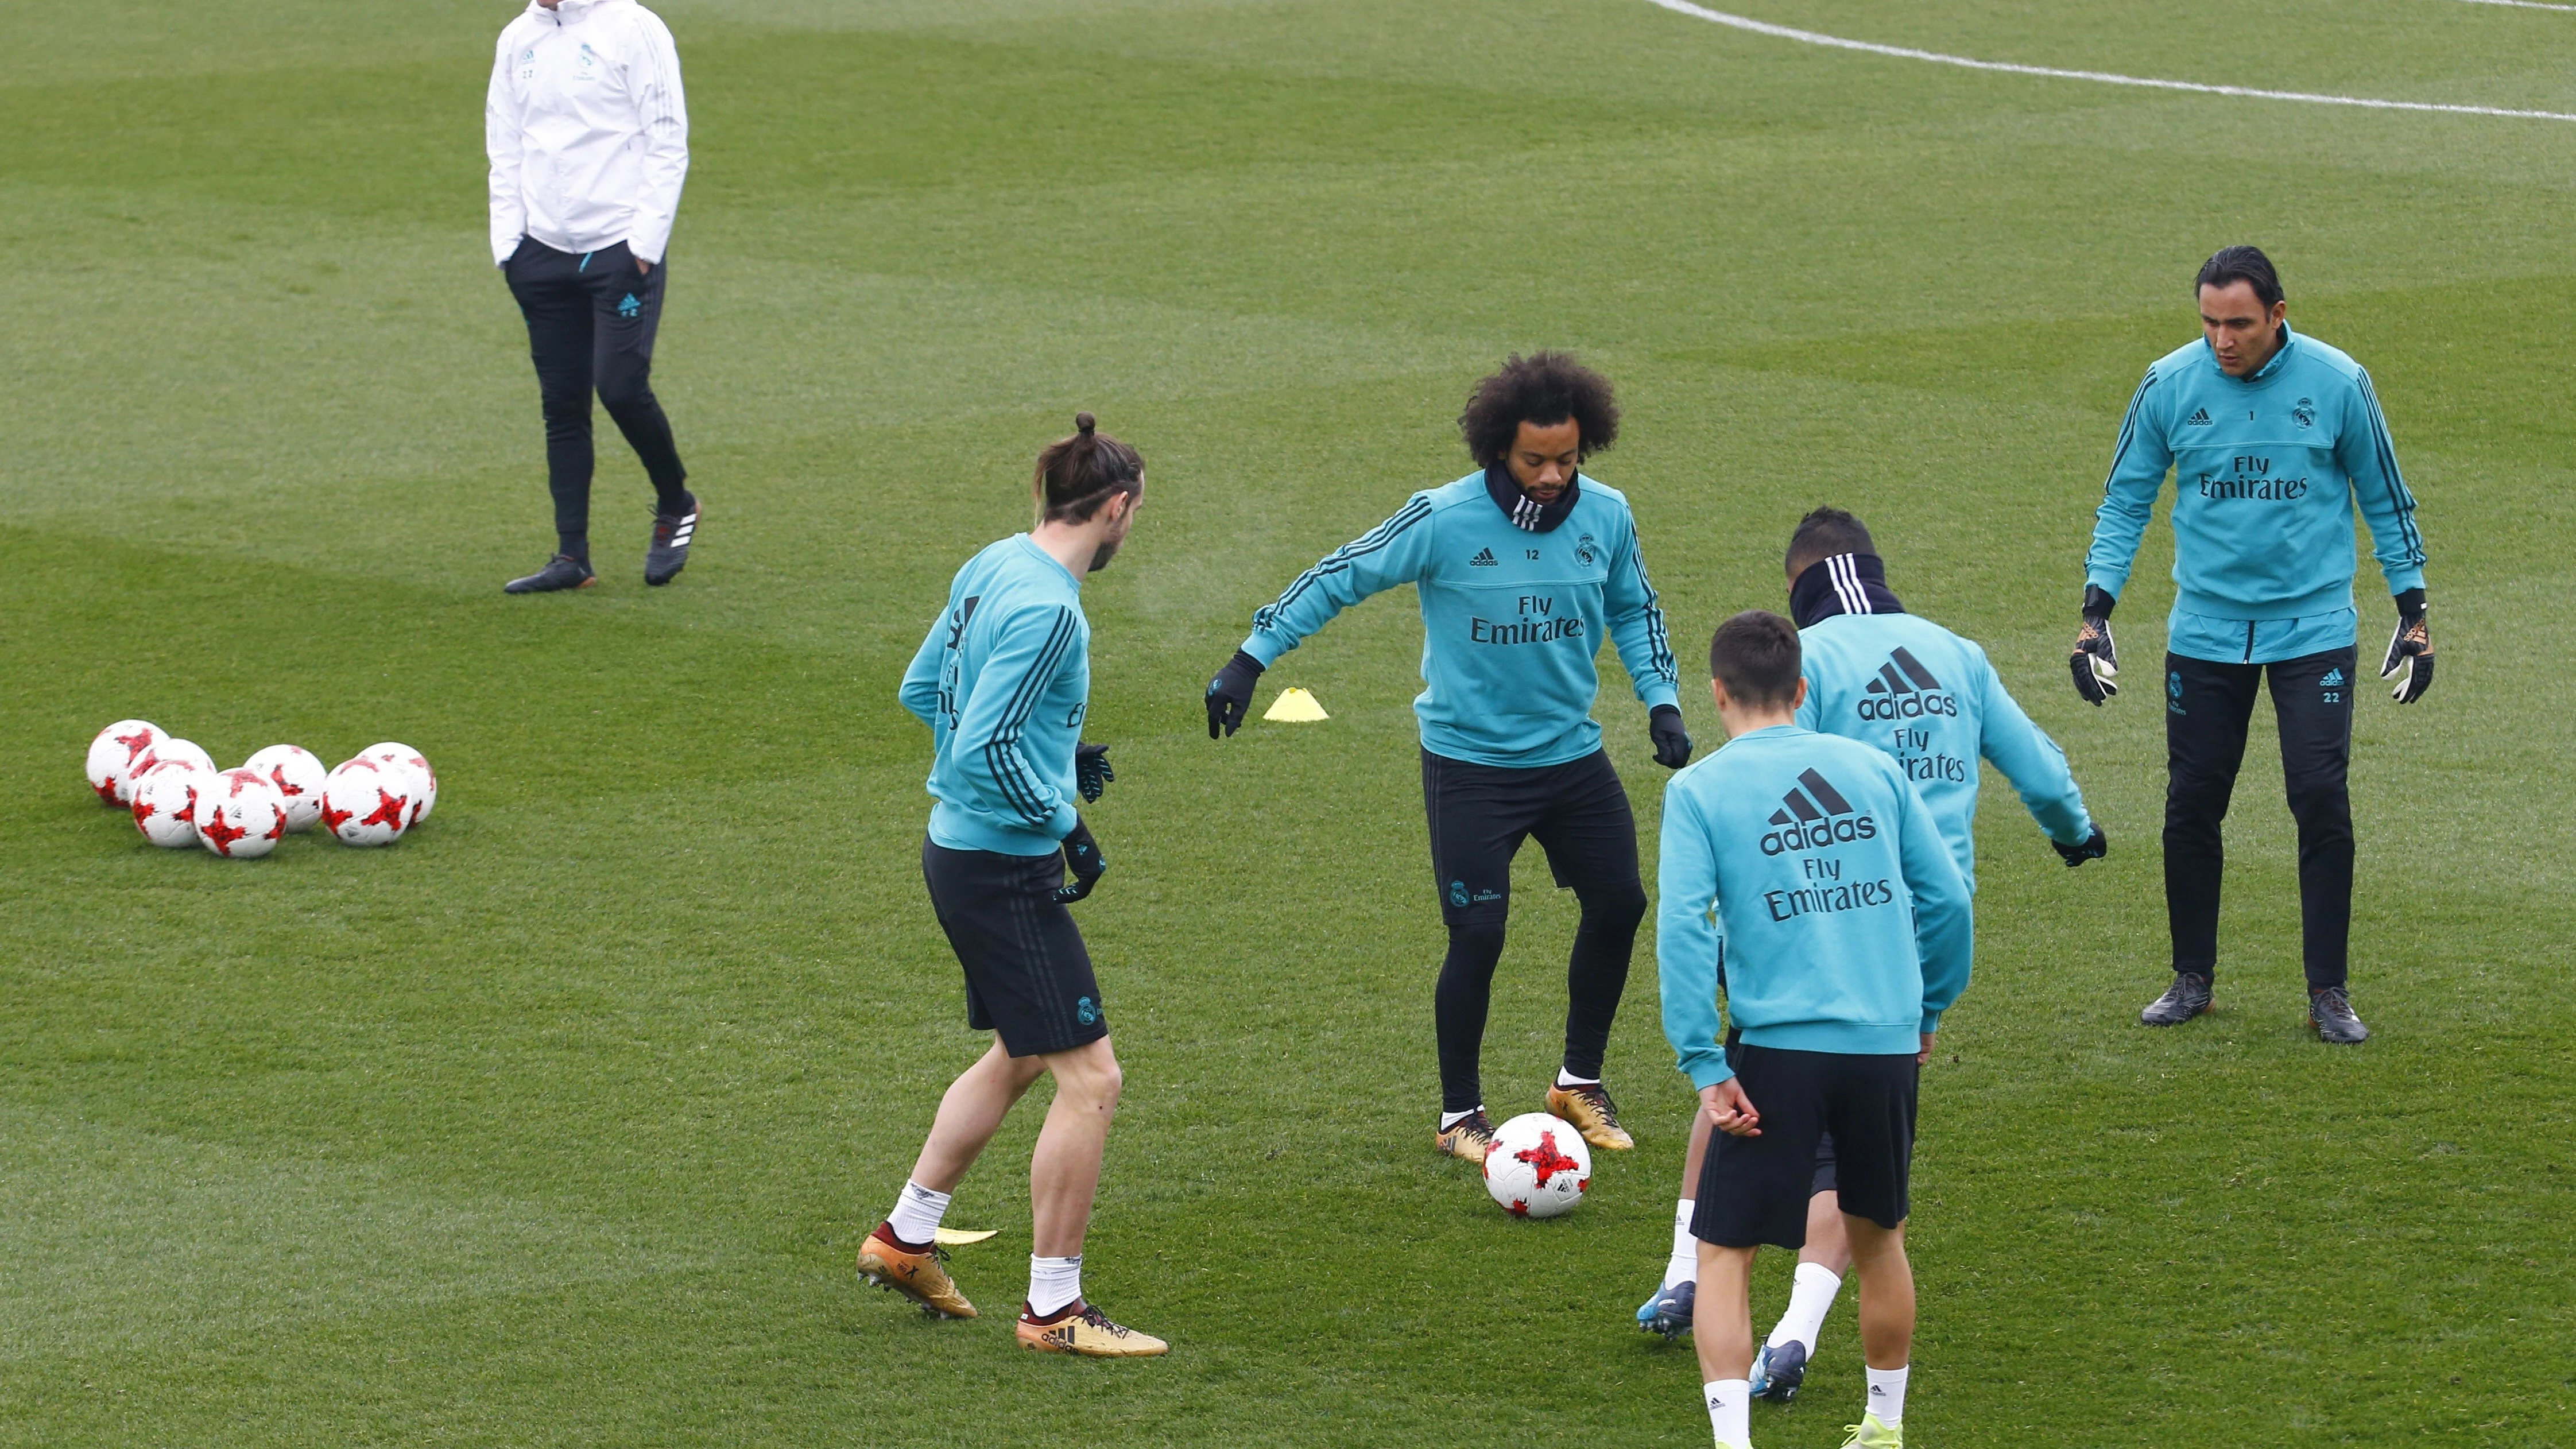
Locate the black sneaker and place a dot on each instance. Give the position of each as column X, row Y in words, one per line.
column 2189, row 996
column 2330, row 1011
column 563, row 571
column 669, row 551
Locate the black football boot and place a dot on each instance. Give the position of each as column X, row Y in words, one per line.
column 2189, row 996
column 669, row 551
column 2330, row 1011
column 563, row 571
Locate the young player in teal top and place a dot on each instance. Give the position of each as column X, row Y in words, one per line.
column 1003, row 680
column 2275, row 441
column 1520, row 569
column 1814, row 869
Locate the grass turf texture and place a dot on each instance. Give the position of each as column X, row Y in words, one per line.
column 559, row 1122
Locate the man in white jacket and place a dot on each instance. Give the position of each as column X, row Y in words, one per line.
column 589, row 142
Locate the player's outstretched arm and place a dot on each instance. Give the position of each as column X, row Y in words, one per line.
column 2036, row 767
column 1395, row 552
column 2139, row 461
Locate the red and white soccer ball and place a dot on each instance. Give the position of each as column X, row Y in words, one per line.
column 117, row 754
column 185, row 752
column 165, row 802
column 366, row 801
column 425, row 793
column 1539, row 1166
column 299, row 778
column 240, row 815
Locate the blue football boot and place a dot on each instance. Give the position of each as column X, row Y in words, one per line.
column 1777, row 1372
column 1669, row 1311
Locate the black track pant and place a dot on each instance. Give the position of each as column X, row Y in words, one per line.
column 591, row 320
column 2207, row 707
column 1479, row 815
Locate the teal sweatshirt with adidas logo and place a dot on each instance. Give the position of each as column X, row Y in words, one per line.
column 2268, row 473
column 1845, row 923
column 1512, row 618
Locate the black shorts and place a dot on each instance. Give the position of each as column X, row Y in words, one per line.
column 1823, row 1181
column 1754, row 1190
column 1028, row 976
column 1480, row 814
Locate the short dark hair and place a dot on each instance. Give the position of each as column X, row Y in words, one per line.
column 1755, row 655
column 1821, row 535
column 1544, row 388
column 2230, row 265
column 1078, row 474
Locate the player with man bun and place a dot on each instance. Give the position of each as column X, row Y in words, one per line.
column 1521, row 567
column 1003, row 681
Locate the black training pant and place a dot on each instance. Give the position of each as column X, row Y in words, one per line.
column 591, row 319
column 2207, row 707
column 1479, row 815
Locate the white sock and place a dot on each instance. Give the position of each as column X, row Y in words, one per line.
column 1452, row 1119
column 1053, row 1283
column 1730, row 1412
column 917, row 1212
column 1565, row 1078
column 1811, row 1297
column 1887, row 1394
column 1683, row 1266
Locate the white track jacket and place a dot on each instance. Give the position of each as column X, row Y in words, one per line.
column 586, row 129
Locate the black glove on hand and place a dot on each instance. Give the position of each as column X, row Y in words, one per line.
column 1091, row 772
column 2410, row 650
column 1082, row 858
column 2095, row 661
column 1229, row 695
column 1672, row 742
column 2093, row 848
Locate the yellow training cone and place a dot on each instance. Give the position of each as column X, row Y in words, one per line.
column 1295, row 706
column 960, row 1237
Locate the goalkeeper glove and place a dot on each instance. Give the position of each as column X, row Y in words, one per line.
column 1082, row 859
column 1229, row 695
column 2410, row 650
column 2093, row 848
column 1091, row 772
column 1672, row 742
column 2095, row 661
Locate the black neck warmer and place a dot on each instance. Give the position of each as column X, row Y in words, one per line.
column 1847, row 583
column 1523, row 510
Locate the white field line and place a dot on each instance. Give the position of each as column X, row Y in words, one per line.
column 2525, row 4
column 1810, row 37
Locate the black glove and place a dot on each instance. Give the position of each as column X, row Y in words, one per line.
column 1229, row 695
column 1091, row 772
column 1082, row 858
column 2093, row 848
column 2410, row 650
column 1672, row 742
column 2095, row 661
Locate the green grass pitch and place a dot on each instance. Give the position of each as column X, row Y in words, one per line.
column 559, row 1123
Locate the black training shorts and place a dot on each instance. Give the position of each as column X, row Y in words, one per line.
column 1028, row 976
column 1480, row 814
column 1754, row 1190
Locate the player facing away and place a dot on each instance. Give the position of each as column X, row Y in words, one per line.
column 588, row 138
column 1520, row 568
column 1003, row 681
column 2274, row 440
column 1847, row 931
column 1932, row 702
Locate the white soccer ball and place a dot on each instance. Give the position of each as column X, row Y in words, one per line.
column 240, row 816
column 186, row 752
column 367, row 802
column 116, row 754
column 298, row 777
column 165, row 802
column 1539, row 1167
column 394, row 752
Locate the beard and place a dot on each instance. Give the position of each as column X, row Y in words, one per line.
column 1101, row 556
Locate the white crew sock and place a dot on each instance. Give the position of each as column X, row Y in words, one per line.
column 1811, row 1297
column 1565, row 1078
column 1452, row 1119
column 917, row 1212
column 1053, row 1283
column 1887, row 1394
column 1683, row 1266
column 1730, row 1412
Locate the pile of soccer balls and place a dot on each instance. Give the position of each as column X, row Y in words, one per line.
column 1538, row 1167
column 178, row 797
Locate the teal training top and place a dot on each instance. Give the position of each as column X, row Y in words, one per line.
column 1511, row 618
column 1846, row 924
column 1003, row 681
column 1931, row 700
column 2268, row 472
